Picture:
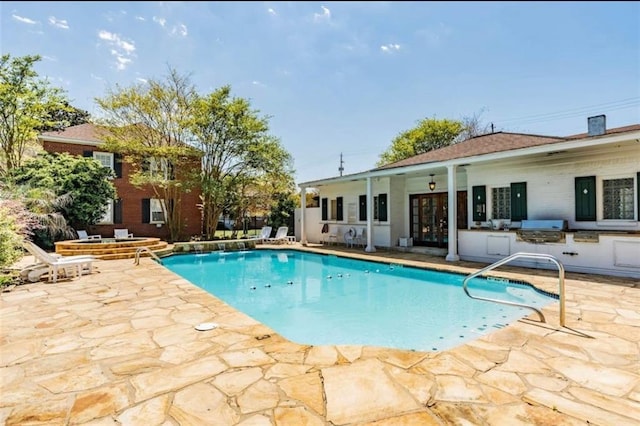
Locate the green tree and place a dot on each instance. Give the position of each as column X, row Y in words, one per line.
column 84, row 180
column 25, row 101
column 148, row 123
column 61, row 116
column 429, row 134
column 243, row 166
column 283, row 210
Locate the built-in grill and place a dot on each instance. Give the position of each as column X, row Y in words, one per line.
column 542, row 231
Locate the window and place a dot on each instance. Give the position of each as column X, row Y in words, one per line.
column 107, row 218
column 161, row 168
column 105, row 158
column 334, row 209
column 156, row 211
column 380, row 207
column 618, row 198
column 501, row 202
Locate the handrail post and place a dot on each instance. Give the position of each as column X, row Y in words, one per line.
column 508, row 259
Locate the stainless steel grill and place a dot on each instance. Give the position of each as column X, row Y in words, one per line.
column 542, row 231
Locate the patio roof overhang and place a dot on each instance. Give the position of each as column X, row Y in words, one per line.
column 438, row 167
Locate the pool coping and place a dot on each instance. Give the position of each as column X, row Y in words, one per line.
column 120, row 345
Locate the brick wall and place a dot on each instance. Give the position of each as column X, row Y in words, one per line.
column 132, row 201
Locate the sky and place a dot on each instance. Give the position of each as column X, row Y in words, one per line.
column 345, row 78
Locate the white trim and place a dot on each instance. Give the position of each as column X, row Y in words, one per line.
column 66, row 140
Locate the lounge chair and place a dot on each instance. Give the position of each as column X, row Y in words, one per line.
column 265, row 233
column 56, row 263
column 83, row 235
column 122, row 233
column 281, row 236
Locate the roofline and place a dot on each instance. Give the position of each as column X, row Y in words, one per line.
column 68, row 140
column 540, row 149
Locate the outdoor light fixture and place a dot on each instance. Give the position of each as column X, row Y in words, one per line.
column 432, row 184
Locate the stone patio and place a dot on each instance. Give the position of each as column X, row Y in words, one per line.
column 119, row 347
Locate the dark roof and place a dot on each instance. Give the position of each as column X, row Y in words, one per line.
column 491, row 143
column 479, row 145
column 83, row 132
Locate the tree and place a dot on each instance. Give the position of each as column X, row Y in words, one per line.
column 24, row 104
column 61, row 116
column 429, row 134
column 243, row 167
column 84, row 180
column 472, row 127
column 148, row 124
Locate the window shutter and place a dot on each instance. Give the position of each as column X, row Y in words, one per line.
column 382, row 207
column 479, row 203
column 585, row 198
column 638, row 196
column 117, row 165
column 325, row 209
column 519, row 201
column 339, row 214
column 117, row 211
column 363, row 207
column 87, row 153
column 146, row 210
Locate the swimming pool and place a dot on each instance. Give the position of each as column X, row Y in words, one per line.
column 321, row 299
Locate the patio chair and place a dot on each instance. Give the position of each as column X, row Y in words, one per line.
column 265, row 233
column 281, row 236
column 122, row 233
column 83, row 235
column 56, row 263
column 361, row 237
column 350, row 237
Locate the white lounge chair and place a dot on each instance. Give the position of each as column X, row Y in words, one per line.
column 122, row 233
column 56, row 263
column 280, row 237
column 83, row 235
column 265, row 233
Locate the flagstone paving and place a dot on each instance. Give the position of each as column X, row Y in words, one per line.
column 119, row 347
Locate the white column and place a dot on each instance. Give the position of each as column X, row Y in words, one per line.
column 452, row 219
column 303, row 209
column 370, row 247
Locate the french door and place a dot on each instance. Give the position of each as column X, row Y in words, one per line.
column 429, row 218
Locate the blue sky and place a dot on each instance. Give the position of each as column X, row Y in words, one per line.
column 347, row 77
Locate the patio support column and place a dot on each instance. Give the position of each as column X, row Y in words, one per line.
column 370, row 247
column 303, row 208
column 452, row 219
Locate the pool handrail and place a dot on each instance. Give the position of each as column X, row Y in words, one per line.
column 148, row 250
column 517, row 256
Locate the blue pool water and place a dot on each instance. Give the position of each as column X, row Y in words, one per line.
column 323, row 299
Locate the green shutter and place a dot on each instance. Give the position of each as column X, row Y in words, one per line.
column 339, row 214
column 382, row 207
column 325, row 215
column 117, row 165
column 585, row 198
column 117, row 211
column 479, row 203
column 519, row 201
column 363, row 207
column 146, row 210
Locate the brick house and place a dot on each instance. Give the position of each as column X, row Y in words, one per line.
column 135, row 209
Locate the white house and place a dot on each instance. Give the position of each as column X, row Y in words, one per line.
column 576, row 198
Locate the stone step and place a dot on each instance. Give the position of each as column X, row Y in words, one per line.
column 113, row 250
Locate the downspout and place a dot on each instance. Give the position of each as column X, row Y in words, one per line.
column 303, row 208
column 370, row 247
column 452, row 219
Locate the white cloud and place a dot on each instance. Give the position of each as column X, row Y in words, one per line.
column 50, row 58
column 160, row 21
column 141, row 80
column 180, row 29
column 24, row 20
column 272, row 12
column 96, row 77
column 390, row 47
column 121, row 49
column 60, row 23
column 324, row 16
column 140, row 18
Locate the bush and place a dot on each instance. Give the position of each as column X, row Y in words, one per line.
column 15, row 225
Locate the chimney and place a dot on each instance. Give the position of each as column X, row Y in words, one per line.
column 597, row 125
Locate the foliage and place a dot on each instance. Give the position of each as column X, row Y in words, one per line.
column 16, row 224
column 243, row 166
column 429, row 134
column 283, row 210
column 148, row 124
column 61, row 116
column 25, row 102
column 70, row 176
